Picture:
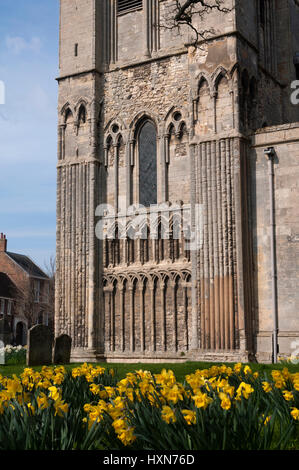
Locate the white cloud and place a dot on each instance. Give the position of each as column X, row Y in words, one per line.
column 17, row 44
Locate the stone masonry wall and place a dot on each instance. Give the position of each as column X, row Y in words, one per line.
column 285, row 140
column 203, row 103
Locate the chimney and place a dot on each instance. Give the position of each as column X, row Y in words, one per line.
column 3, row 243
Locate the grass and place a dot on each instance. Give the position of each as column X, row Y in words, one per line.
column 179, row 369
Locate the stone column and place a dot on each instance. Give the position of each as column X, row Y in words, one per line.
column 215, row 110
column 112, row 318
column 113, row 31
column 193, row 254
column 174, row 307
column 116, row 185
column 92, row 261
column 132, row 329
column 163, row 331
column 152, row 307
column 164, row 158
column 142, row 332
column 61, row 132
column 146, row 27
column 122, row 317
column 186, row 316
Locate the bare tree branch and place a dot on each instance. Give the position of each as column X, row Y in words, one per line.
column 185, row 12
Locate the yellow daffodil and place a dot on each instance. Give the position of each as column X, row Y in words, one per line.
column 124, row 432
column 42, row 401
column 110, row 391
column 58, row 379
column 266, row 420
column 175, row 393
column 295, row 413
column 168, row 414
column 201, row 400
column 189, row 416
column 60, row 408
column 266, row 387
column 127, row 436
column 287, row 395
column 238, row 367
column 31, row 408
column 119, row 424
column 95, row 389
column 244, row 390
column 13, row 387
column 165, row 377
column 225, row 401
column 54, row 393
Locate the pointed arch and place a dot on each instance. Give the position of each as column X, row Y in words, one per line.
column 65, row 110
column 68, row 115
column 82, row 114
column 224, row 106
column 217, row 76
column 203, row 78
column 203, row 107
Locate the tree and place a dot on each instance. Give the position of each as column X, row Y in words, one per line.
column 185, row 12
column 35, row 297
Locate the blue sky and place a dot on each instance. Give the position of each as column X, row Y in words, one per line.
column 28, row 125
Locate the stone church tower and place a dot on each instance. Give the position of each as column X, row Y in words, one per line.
column 147, row 119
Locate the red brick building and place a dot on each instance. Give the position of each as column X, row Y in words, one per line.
column 24, row 295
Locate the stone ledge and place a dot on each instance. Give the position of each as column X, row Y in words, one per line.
column 85, row 355
column 276, row 135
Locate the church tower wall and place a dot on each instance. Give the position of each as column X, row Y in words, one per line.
column 145, row 117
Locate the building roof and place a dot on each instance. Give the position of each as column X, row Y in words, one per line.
column 7, row 287
column 27, row 265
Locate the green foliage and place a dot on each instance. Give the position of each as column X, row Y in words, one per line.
column 15, row 355
column 90, row 407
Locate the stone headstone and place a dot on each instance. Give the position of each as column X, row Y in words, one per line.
column 39, row 347
column 2, row 352
column 62, row 349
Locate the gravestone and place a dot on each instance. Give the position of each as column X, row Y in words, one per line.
column 2, row 352
column 62, row 349
column 39, row 348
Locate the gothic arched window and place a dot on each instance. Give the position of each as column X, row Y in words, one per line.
column 82, row 115
column 147, row 147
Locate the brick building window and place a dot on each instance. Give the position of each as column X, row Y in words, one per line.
column 2, row 306
column 125, row 6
